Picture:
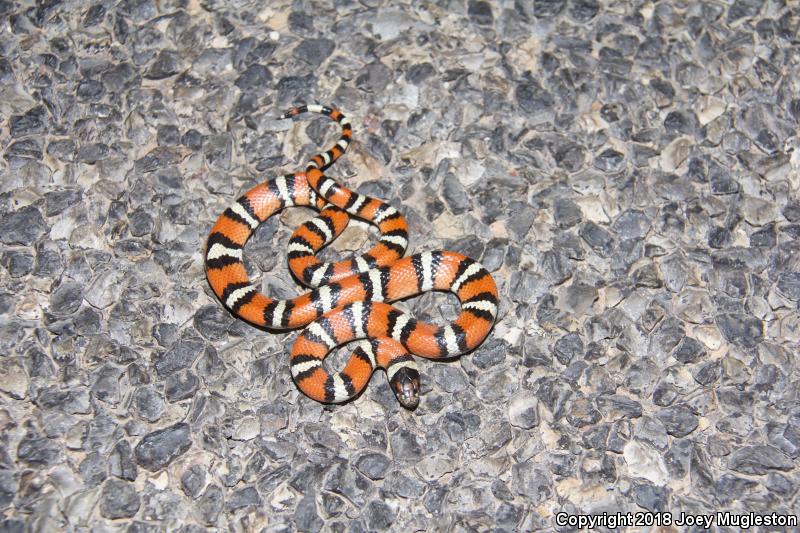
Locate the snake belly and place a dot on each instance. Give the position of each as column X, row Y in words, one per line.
column 349, row 300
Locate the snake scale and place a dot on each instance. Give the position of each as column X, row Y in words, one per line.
column 348, row 300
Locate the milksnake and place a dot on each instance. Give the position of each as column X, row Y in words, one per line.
column 348, row 298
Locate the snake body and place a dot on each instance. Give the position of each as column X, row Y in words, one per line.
column 349, row 300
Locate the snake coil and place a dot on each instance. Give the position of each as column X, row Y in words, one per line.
column 348, row 300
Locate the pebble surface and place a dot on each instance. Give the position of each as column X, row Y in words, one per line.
column 628, row 172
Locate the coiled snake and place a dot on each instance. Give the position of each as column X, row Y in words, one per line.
column 348, row 298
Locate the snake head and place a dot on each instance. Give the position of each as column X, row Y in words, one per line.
column 405, row 384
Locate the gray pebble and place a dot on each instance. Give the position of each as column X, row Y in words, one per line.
column 759, row 460
column 148, row 404
column 23, row 226
column 17, row 263
column 193, row 481
column 568, row 347
column 181, row 385
column 166, row 64
column 32, row 122
column 314, row 51
column 210, row 504
column 159, row 448
column 121, row 462
column 379, row 515
column 119, row 499
column 374, row 77
column 740, row 329
column 678, row 420
column 242, row 498
column 373, row 465
column 306, row 517
column 597, row 237
column 689, row 351
column 181, row 355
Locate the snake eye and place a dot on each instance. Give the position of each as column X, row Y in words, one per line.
column 405, row 384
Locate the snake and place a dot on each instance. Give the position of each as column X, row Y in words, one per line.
column 348, row 301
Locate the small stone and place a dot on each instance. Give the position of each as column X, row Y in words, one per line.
column 788, row 285
column 92, row 153
column 678, row 457
column 631, row 224
column 93, row 469
column 157, row 158
column 568, row 347
column 22, row 227
column 405, row 446
column 566, row 213
column 181, row 355
column 741, row 329
column 480, row 12
column 13, row 379
column 379, row 515
column 39, row 451
column 609, row 160
column 148, row 404
column 94, row 16
column 373, row 465
column 168, row 135
column 766, row 237
column 165, row 65
column 314, row 51
column 598, row 238
column 306, row 517
column 708, row 373
column 242, row 498
column 246, row 429
column 210, row 505
column 743, row 9
column 119, row 499
column 66, row 298
column 106, row 384
column 547, row 8
column 570, row 156
column 57, row 201
column 719, row 237
column 490, row 353
column 455, row 196
column 373, row 77
column 193, row 481
column 158, row 449
column 679, row 420
column 615, row 406
column 689, row 351
column 758, row 460
column 646, row 462
column 522, row 410
column 757, row 211
column 584, row 10
column 121, row 462
column 33, row 122
column 192, row 139
column 650, row 497
column 791, row 211
column 533, row 99
column 775, row 482
column 90, row 90
column 675, row 154
column 419, row 72
column 647, row 276
column 181, row 386
column 724, row 185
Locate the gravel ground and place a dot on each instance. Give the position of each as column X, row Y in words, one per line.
column 628, row 171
